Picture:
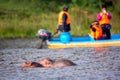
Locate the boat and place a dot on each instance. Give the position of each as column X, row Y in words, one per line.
column 85, row 41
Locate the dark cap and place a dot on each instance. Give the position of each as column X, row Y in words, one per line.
column 65, row 8
column 95, row 22
column 104, row 6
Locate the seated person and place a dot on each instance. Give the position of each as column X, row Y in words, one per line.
column 48, row 63
column 96, row 31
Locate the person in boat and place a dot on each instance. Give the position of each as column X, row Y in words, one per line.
column 96, row 31
column 63, row 21
column 104, row 18
column 48, row 63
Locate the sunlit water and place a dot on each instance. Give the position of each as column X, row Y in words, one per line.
column 102, row 63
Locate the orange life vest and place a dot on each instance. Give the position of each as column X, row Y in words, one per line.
column 98, row 33
column 60, row 20
column 105, row 19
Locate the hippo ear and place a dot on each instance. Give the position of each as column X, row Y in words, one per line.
column 47, row 59
column 30, row 63
column 48, row 62
column 23, row 65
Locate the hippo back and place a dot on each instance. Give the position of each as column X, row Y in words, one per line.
column 63, row 62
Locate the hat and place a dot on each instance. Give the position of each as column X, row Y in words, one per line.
column 65, row 8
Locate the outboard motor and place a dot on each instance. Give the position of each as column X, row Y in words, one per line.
column 44, row 35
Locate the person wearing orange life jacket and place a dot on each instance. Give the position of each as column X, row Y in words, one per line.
column 96, row 30
column 104, row 18
column 64, row 20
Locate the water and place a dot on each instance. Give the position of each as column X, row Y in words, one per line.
column 102, row 63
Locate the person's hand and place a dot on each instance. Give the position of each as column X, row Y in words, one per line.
column 104, row 11
column 56, row 31
column 63, row 30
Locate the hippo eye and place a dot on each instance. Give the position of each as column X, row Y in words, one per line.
column 50, row 60
column 25, row 62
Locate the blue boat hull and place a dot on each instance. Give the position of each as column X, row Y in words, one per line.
column 84, row 42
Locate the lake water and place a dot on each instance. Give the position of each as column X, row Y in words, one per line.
column 101, row 63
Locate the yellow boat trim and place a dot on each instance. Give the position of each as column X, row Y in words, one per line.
column 84, row 44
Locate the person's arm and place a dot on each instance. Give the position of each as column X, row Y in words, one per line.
column 57, row 29
column 99, row 17
column 109, row 15
column 64, row 20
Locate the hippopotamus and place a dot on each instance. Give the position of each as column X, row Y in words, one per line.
column 48, row 63
column 30, row 64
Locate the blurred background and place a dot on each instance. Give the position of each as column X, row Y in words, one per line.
column 23, row 18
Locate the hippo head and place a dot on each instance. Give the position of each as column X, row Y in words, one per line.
column 30, row 64
column 46, row 62
column 24, row 64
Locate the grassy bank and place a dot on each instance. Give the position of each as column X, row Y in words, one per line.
column 24, row 18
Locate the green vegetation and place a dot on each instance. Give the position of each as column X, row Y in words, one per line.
column 23, row 18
